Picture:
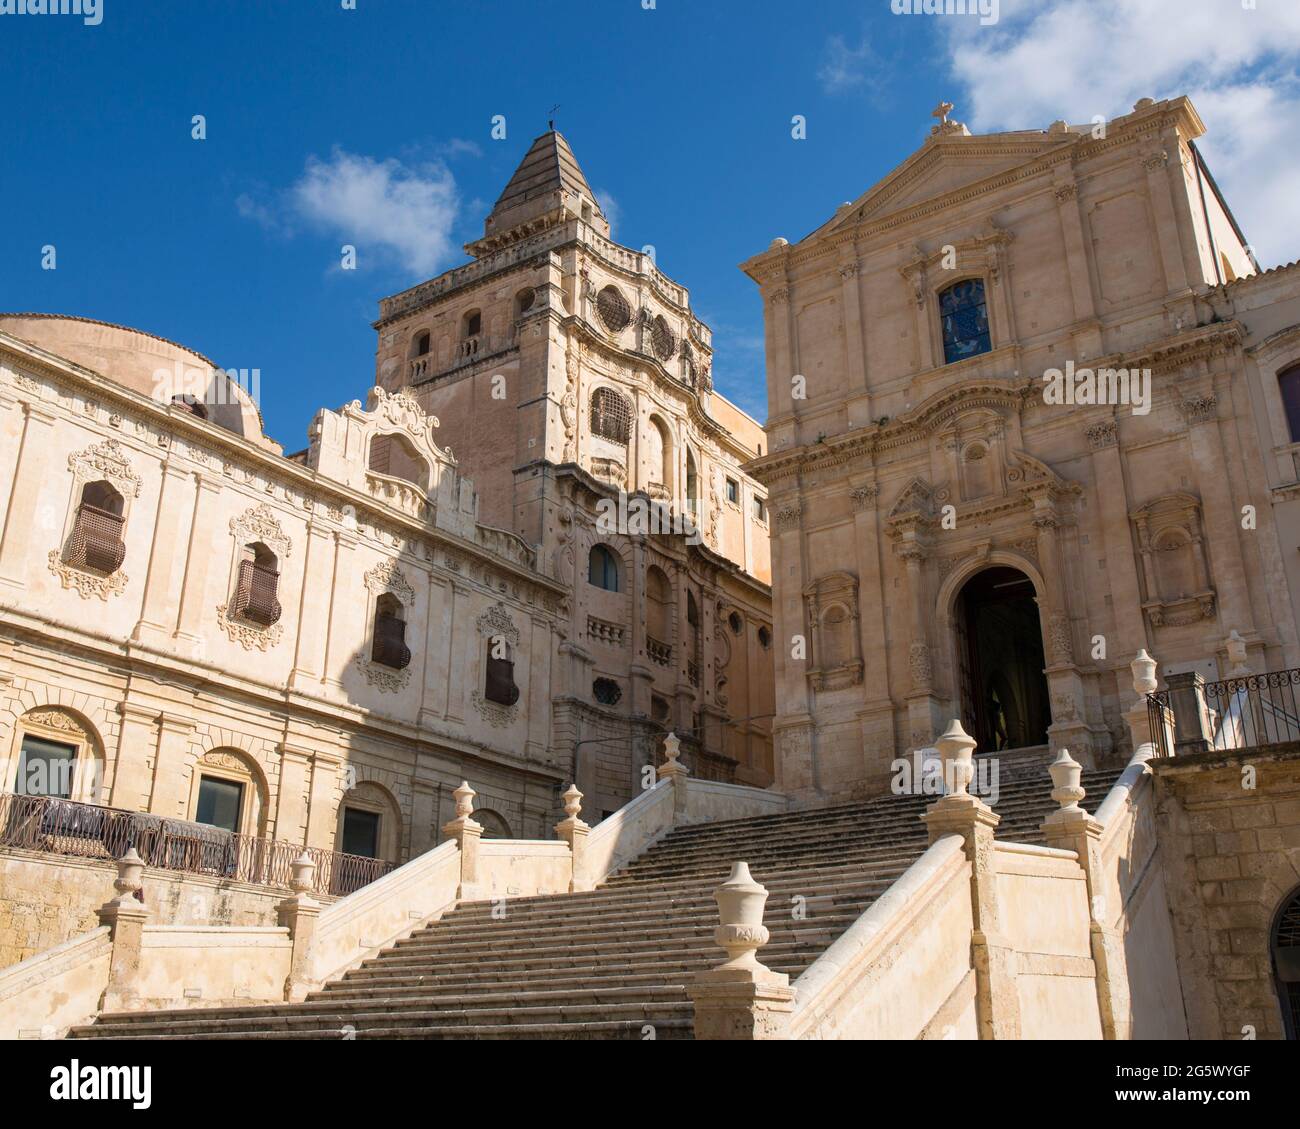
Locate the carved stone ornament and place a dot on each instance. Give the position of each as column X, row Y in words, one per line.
column 384, row 677
column 788, row 518
column 496, row 715
column 1103, row 435
column 250, row 636
column 260, row 524
column 387, row 578
column 496, row 622
column 228, row 761
column 402, row 409
column 106, row 461
column 921, row 666
column 85, row 583
column 55, row 719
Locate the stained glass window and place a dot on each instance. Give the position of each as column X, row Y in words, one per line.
column 964, row 315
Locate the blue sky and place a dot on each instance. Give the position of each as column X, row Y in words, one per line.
column 372, row 127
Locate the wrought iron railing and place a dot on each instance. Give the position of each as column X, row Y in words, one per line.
column 96, row 540
column 1235, row 713
column 67, row 827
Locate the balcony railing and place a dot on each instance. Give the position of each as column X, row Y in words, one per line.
column 1195, row 716
column 66, row 827
column 659, row 652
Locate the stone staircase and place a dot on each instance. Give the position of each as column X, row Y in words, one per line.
column 615, row 963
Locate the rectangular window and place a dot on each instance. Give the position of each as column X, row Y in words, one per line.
column 733, row 491
column 219, row 803
column 361, row 833
column 760, row 509
column 45, row 769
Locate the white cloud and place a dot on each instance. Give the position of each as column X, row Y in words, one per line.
column 846, row 68
column 1064, row 59
column 608, row 206
column 404, row 212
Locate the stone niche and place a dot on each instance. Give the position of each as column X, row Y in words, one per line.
column 831, row 605
column 1177, row 588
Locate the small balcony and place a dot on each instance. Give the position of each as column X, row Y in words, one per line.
column 660, row 653
column 255, row 595
column 96, row 542
column 66, row 827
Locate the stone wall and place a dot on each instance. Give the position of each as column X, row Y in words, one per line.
column 1230, row 839
column 48, row 899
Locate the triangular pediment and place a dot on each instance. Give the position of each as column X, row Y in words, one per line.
column 946, row 165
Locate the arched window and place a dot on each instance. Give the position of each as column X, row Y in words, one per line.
column 396, row 457
column 662, row 339
column 493, row 823
column 963, row 314
column 524, row 301
column 658, row 612
column 692, row 484
column 257, row 586
column 499, row 686
column 96, row 541
column 422, row 344
column 1288, row 383
column 602, row 568
column 659, row 456
column 389, row 648
column 611, row 416
column 1286, row 962
column 472, row 325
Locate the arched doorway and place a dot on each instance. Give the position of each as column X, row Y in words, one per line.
column 1286, row 963
column 1005, row 701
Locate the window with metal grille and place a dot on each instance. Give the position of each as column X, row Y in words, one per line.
column 662, row 338
column 607, row 692
column 963, row 314
column 96, row 541
column 613, row 309
column 611, row 416
column 256, row 588
column 500, row 685
column 389, row 647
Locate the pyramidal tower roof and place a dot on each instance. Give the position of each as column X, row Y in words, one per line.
column 548, row 180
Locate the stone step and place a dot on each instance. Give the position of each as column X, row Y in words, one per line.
column 550, row 1032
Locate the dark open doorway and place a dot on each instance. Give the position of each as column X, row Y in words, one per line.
column 1005, row 703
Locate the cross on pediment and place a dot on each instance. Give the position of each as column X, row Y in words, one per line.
column 941, row 111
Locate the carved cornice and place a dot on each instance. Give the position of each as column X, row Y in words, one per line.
column 260, row 524
column 386, row 577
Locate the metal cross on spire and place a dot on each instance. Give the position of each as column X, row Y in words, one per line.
column 551, row 123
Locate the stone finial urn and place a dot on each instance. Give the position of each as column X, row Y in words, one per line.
column 1066, row 774
column 304, row 873
column 464, row 801
column 1144, row 674
column 572, row 802
column 742, row 933
column 672, row 749
column 130, row 877
column 956, row 750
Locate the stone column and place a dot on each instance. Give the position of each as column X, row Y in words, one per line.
column 740, row 999
column 322, row 806
column 342, row 600
column 437, row 652
column 878, row 710
column 159, row 614
column 292, row 794
column 467, row 833
column 997, row 1000
column 300, row 913
column 574, row 832
column 313, row 628
column 922, row 706
column 672, row 769
column 125, row 916
column 854, row 343
column 1073, row 829
column 30, row 476
column 170, row 790
column 424, row 799
column 137, row 745
column 1087, row 331
column 1121, row 571
column 194, row 612
column 1161, row 192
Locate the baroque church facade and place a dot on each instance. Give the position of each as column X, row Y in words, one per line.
column 950, row 539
